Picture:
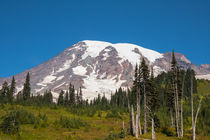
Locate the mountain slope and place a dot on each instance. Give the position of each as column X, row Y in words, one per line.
column 98, row 67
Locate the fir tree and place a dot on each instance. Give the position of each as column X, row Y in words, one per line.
column 145, row 82
column 60, row 98
column 12, row 90
column 153, row 102
column 80, row 96
column 27, row 88
column 48, row 98
column 66, row 99
column 4, row 92
column 71, row 94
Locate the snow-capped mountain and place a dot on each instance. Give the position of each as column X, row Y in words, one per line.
column 98, row 67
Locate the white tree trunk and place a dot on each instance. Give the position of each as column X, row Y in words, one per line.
column 137, row 130
column 145, row 111
column 138, row 112
column 133, row 121
column 172, row 118
column 196, row 116
column 182, row 132
column 123, row 127
column 153, row 130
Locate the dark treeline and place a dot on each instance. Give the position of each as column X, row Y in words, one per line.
column 163, row 103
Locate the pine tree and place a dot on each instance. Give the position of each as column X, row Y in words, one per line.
column 145, row 81
column 48, row 98
column 4, row 92
column 60, row 98
column 19, row 96
column 71, row 94
column 80, row 96
column 153, row 102
column 66, row 99
column 27, row 88
column 170, row 101
column 12, row 90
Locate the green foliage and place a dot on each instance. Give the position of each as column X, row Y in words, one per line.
column 168, row 131
column 87, row 111
column 4, row 93
column 114, row 136
column 48, row 98
column 11, row 91
column 27, row 88
column 10, row 124
column 72, row 123
column 113, row 114
column 23, row 116
column 61, row 98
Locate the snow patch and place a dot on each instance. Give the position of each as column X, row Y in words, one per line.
column 206, row 76
column 94, row 48
column 96, row 86
column 48, row 79
column 79, row 70
column 60, row 77
column 157, row 70
column 66, row 65
column 19, row 88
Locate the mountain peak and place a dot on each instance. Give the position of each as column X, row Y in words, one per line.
column 98, row 67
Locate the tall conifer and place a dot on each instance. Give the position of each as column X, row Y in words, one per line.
column 27, row 88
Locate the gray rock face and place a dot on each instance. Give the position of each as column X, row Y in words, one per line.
column 98, row 67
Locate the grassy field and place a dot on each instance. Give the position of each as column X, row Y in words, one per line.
column 98, row 126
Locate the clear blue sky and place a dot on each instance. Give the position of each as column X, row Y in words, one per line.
column 33, row 31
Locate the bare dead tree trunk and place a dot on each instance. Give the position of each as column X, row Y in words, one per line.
column 182, row 132
column 138, row 111
column 133, row 121
column 196, row 116
column 153, row 130
column 145, row 111
column 172, row 118
column 123, row 127
column 137, row 130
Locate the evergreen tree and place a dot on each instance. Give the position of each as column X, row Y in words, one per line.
column 60, row 98
column 12, row 90
column 72, row 94
column 80, row 96
column 27, row 88
column 4, row 92
column 145, row 82
column 19, row 97
column 170, row 100
column 48, row 98
column 153, row 102
column 66, row 99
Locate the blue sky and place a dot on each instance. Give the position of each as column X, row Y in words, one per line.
column 33, row 31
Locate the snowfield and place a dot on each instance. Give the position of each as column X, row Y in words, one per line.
column 125, row 51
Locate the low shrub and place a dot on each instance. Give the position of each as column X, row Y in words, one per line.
column 168, row 131
column 70, row 123
column 10, row 124
column 113, row 114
